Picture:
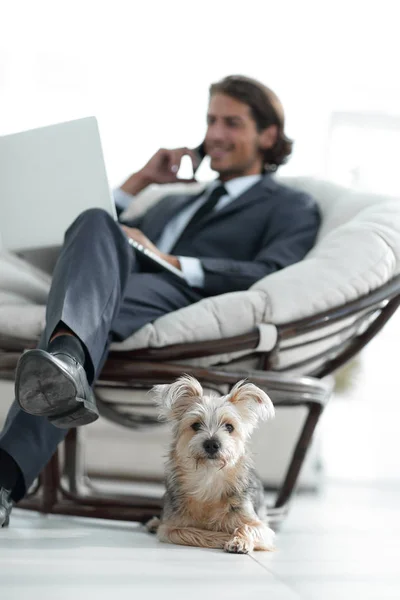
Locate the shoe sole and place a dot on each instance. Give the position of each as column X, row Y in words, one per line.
column 45, row 389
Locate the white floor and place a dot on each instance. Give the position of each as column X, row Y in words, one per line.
column 342, row 544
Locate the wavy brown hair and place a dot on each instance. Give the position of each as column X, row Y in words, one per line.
column 266, row 110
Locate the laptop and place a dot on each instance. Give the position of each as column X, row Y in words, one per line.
column 48, row 176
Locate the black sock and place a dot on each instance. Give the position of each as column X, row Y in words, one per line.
column 9, row 471
column 68, row 344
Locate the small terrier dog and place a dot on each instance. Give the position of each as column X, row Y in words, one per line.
column 213, row 498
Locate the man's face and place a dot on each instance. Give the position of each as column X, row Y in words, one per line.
column 232, row 140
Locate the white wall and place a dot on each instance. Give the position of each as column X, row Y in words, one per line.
column 143, row 68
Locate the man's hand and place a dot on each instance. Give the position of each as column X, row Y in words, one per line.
column 163, row 167
column 140, row 238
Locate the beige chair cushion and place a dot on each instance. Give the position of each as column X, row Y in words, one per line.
column 20, row 282
column 357, row 251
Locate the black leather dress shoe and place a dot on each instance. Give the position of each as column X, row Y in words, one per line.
column 5, row 507
column 55, row 386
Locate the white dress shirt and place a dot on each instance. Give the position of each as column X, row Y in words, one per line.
column 191, row 267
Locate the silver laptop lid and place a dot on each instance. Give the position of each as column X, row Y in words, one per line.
column 48, row 176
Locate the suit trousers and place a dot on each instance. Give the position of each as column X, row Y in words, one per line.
column 100, row 292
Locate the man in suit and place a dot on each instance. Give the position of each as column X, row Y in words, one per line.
column 244, row 226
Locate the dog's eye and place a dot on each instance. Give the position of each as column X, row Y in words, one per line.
column 229, row 427
column 196, row 426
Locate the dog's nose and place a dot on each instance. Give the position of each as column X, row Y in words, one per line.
column 211, row 446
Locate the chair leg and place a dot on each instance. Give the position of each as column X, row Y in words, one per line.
column 287, row 489
column 45, row 495
column 74, row 463
column 51, row 484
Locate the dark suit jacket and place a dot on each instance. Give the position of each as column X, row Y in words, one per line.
column 269, row 227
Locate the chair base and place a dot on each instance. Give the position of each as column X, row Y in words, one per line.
column 51, row 496
column 70, row 492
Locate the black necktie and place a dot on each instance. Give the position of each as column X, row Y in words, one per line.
column 204, row 210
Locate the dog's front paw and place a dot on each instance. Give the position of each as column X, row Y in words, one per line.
column 153, row 525
column 238, row 545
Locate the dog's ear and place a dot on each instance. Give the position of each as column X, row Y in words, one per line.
column 252, row 401
column 174, row 399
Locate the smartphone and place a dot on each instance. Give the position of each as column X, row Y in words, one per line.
column 186, row 169
column 201, row 153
